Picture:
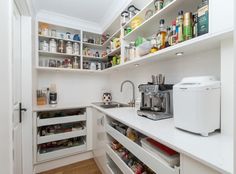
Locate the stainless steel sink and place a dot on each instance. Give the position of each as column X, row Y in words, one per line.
column 110, row 105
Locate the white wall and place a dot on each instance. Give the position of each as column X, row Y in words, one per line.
column 5, row 93
column 205, row 63
column 74, row 88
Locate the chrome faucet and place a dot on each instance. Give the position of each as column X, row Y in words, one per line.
column 131, row 103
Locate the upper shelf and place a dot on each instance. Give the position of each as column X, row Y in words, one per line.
column 57, row 38
column 193, row 46
column 150, row 23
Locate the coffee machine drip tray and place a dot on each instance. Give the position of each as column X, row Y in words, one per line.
column 154, row 115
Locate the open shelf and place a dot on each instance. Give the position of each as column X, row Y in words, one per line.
column 93, row 58
column 113, row 52
column 92, row 45
column 48, row 54
column 116, row 34
column 189, row 47
column 57, row 38
column 61, row 136
column 60, row 120
column 67, row 70
column 143, row 155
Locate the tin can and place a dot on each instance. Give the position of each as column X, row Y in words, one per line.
column 188, row 26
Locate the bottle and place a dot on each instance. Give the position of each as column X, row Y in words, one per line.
column 68, row 48
column 53, row 95
column 154, row 45
column 195, row 15
column 161, row 36
column 168, row 37
column 75, row 64
column 173, row 33
column 179, row 23
column 203, row 21
column 188, row 26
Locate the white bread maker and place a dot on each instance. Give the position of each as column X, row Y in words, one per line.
column 196, row 102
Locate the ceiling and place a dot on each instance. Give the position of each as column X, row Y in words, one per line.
column 89, row 10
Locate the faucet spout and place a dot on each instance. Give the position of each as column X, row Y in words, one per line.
column 133, row 88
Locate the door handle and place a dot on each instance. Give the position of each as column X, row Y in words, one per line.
column 20, row 112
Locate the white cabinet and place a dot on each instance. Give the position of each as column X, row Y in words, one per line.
column 99, row 140
column 191, row 166
column 221, row 16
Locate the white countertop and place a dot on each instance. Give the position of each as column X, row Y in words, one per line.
column 215, row 151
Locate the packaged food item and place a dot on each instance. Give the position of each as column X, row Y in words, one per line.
column 203, row 18
column 180, row 27
column 188, row 26
column 52, row 46
column 137, row 21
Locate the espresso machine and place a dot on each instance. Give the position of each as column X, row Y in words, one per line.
column 156, row 99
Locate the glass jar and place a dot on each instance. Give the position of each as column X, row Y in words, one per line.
column 43, row 45
column 52, row 46
column 158, row 4
column 132, row 53
column 68, row 48
column 60, row 47
column 124, row 17
column 76, row 48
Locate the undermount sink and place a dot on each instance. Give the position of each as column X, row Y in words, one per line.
column 110, row 105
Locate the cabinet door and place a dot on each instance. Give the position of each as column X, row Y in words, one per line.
column 99, row 139
column 191, row 166
column 221, row 16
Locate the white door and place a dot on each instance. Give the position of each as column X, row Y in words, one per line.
column 16, row 91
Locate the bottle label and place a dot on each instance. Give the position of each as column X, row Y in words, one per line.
column 202, row 25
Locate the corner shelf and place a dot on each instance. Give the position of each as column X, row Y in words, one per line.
column 112, row 36
column 113, row 52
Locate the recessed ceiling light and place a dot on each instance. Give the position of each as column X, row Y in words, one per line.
column 179, row 54
column 136, row 65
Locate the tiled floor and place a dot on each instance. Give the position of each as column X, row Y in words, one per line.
column 84, row 167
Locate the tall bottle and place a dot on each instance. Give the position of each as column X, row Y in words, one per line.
column 180, row 27
column 161, row 35
column 188, row 26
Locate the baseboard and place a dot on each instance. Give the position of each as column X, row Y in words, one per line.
column 38, row 168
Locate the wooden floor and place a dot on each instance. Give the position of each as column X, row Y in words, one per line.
column 84, row 167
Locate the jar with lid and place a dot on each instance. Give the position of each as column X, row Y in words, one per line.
column 132, row 50
column 124, row 17
column 60, row 47
column 75, row 64
column 76, row 48
column 158, row 4
column 52, row 46
column 43, row 45
column 44, row 29
column 68, row 48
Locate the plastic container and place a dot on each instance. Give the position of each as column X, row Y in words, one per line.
column 144, row 48
column 171, row 158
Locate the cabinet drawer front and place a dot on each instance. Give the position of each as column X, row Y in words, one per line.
column 60, row 120
column 62, row 136
column 61, row 153
column 119, row 162
column 146, row 157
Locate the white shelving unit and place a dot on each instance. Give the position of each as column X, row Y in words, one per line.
column 43, row 124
